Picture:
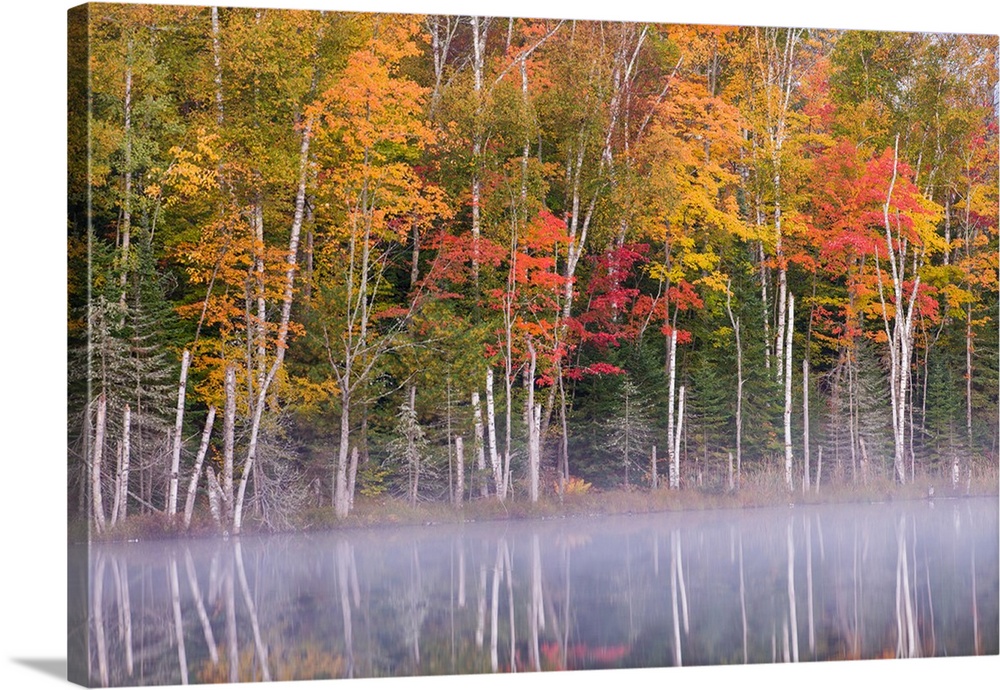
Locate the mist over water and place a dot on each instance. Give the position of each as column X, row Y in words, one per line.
column 803, row 583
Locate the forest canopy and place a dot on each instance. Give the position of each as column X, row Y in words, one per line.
column 315, row 256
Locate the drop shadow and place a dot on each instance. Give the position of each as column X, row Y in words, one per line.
column 57, row 668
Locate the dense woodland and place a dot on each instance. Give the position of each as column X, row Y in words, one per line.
column 315, row 256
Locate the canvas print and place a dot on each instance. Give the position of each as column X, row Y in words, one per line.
column 412, row 345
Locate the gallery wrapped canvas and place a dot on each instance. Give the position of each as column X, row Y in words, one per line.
column 407, row 345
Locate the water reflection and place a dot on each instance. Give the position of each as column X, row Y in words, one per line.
column 903, row 580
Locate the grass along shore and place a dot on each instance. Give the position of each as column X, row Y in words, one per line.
column 758, row 490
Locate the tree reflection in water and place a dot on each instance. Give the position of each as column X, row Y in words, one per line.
column 809, row 583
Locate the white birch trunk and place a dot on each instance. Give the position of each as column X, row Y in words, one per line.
column 789, row 329
column 175, row 458
column 652, row 470
column 126, row 462
column 819, row 467
column 671, row 422
column 491, row 426
column 460, row 471
column 675, row 467
column 196, row 472
column 341, row 503
column 216, row 499
column 900, row 335
column 352, row 476
column 96, row 461
column 480, row 445
column 532, row 419
column 805, row 424
column 228, row 444
column 739, row 389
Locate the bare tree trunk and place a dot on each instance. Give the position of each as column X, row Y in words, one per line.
column 789, row 328
column 672, row 444
column 819, row 467
column 341, row 503
column 460, row 472
column 175, row 461
column 196, row 472
column 480, row 27
column 216, row 500
column 564, row 437
column 228, row 444
column 675, row 461
column 864, row 460
column 480, row 450
column 533, row 419
column 413, row 458
column 126, row 461
column 739, row 388
column 117, row 488
column 805, row 425
column 491, row 426
column 968, row 377
column 655, row 483
column 95, row 463
column 352, row 476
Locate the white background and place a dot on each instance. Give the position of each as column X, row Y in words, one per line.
column 32, row 333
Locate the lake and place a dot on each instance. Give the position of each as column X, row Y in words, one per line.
column 797, row 583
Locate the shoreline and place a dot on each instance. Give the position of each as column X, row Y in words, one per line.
column 388, row 512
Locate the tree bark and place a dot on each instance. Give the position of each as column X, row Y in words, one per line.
column 739, row 387
column 460, row 471
column 533, row 419
column 805, row 424
column 352, row 475
column 652, row 470
column 341, row 503
column 671, row 421
column 126, row 461
column 178, row 439
column 491, row 426
column 228, row 444
column 196, row 472
column 95, row 463
column 789, row 329
column 480, row 450
column 675, row 468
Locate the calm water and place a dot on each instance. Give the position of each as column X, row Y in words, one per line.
column 721, row 587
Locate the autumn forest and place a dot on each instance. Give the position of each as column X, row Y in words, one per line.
column 319, row 258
